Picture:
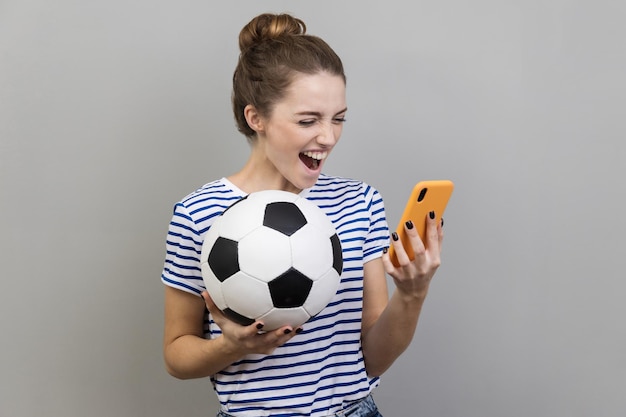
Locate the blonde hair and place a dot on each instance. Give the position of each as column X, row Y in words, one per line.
column 273, row 49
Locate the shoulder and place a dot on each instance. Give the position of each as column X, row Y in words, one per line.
column 214, row 190
column 213, row 195
column 207, row 202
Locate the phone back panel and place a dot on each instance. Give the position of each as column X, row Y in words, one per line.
column 425, row 197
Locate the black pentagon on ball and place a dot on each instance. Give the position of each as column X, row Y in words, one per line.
column 337, row 253
column 224, row 258
column 238, row 318
column 284, row 217
column 290, row 289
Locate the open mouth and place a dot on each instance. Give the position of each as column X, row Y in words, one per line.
column 312, row 160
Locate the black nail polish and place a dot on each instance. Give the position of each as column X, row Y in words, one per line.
column 259, row 326
column 394, row 236
column 431, row 214
column 299, row 330
column 442, row 222
column 385, row 249
column 409, row 225
column 287, row 331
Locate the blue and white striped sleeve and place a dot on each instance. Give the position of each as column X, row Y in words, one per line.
column 378, row 234
column 183, row 249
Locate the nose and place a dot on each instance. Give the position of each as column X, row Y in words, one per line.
column 329, row 134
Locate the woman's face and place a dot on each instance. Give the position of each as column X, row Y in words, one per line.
column 302, row 129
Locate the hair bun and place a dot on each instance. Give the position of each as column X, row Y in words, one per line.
column 269, row 26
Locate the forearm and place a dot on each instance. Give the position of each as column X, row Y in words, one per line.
column 392, row 333
column 190, row 356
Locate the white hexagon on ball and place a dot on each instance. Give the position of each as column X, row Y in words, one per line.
column 279, row 317
column 265, row 254
column 312, row 251
column 322, row 292
column 246, row 295
column 249, row 215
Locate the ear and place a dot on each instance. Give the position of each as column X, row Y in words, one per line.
column 253, row 118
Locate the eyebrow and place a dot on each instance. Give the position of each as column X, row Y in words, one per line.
column 318, row 114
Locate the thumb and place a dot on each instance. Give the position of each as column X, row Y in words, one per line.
column 210, row 305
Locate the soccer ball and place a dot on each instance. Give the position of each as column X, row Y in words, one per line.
column 272, row 256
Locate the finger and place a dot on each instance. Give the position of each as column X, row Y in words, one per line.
column 388, row 266
column 434, row 236
column 255, row 328
column 440, row 233
column 401, row 253
column 417, row 245
column 285, row 331
column 432, row 232
column 208, row 302
column 216, row 313
column 234, row 330
column 224, row 322
column 279, row 336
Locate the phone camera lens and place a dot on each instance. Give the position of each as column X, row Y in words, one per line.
column 422, row 194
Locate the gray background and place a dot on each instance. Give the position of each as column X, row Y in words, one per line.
column 110, row 111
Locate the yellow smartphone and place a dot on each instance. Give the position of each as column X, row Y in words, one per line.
column 426, row 196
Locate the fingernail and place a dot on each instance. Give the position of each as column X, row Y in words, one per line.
column 385, row 249
column 259, row 326
column 394, row 236
column 431, row 214
column 299, row 330
column 287, row 331
column 442, row 222
column 409, row 224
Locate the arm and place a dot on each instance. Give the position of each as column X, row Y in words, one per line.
column 389, row 324
column 188, row 354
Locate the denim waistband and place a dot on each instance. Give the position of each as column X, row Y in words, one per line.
column 361, row 408
column 365, row 407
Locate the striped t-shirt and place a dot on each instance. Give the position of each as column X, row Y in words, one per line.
column 321, row 370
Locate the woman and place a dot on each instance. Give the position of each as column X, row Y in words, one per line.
column 289, row 101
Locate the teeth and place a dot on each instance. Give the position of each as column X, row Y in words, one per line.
column 316, row 155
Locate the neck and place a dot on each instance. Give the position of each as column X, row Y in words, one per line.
column 258, row 175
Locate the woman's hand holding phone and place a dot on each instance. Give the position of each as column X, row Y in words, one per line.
column 414, row 254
